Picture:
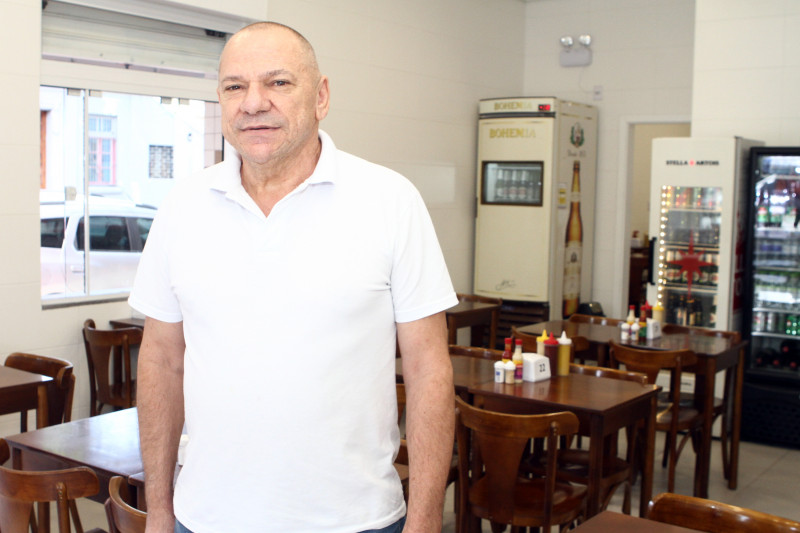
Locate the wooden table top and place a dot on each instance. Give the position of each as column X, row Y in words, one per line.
column 704, row 345
column 109, row 444
column 467, row 306
column 588, row 394
column 611, row 522
column 131, row 322
column 12, row 379
column 467, row 371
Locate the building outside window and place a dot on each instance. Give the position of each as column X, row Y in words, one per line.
column 102, row 149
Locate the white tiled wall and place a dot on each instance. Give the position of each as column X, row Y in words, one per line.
column 642, row 59
column 747, row 70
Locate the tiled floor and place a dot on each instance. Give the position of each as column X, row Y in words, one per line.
column 769, row 481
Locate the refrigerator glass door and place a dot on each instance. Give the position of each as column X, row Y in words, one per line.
column 689, row 252
column 512, row 183
column 776, row 265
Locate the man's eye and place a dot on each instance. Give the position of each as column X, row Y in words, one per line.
column 281, row 83
column 233, row 87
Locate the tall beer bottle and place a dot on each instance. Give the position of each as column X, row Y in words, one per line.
column 573, row 246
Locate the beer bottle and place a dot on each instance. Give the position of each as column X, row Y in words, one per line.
column 573, row 246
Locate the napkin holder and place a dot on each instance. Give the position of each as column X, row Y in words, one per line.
column 653, row 329
column 535, row 367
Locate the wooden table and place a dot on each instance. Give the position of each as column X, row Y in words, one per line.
column 609, row 521
column 467, row 371
column 108, row 444
column 20, row 390
column 714, row 354
column 478, row 316
column 131, row 322
column 603, row 407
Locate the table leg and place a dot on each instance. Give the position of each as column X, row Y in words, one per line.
column 649, row 456
column 596, row 454
column 702, row 469
column 41, row 406
column 736, row 423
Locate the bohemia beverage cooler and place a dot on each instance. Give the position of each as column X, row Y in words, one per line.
column 697, row 218
column 771, row 402
column 534, row 223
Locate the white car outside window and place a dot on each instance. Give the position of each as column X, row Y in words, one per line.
column 117, row 233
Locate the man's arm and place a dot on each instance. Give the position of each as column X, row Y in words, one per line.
column 159, row 392
column 430, row 418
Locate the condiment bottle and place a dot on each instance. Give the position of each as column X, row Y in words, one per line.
column 631, row 315
column 564, row 349
column 642, row 324
column 551, row 351
column 540, row 342
column 507, row 350
column 634, row 332
column 511, row 369
column 517, row 360
column 658, row 313
column 499, row 372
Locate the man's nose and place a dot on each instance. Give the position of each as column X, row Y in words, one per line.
column 256, row 100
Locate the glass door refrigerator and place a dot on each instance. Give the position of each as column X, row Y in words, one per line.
column 771, row 406
column 697, row 216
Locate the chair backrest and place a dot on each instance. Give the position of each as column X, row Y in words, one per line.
column 477, row 352
column 60, row 391
column 101, row 347
column 122, row 517
column 613, row 373
column 715, row 517
column 499, row 442
column 650, row 362
column 528, row 340
column 592, row 319
column 20, row 489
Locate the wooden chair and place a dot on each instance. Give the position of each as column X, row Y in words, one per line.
column 122, row 517
column 108, row 353
column 715, row 517
column 478, row 331
column 477, row 352
column 491, row 447
column 59, row 391
column 723, row 407
column 600, row 351
column 20, row 489
column 573, row 463
column 672, row 417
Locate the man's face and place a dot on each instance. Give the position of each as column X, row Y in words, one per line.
column 272, row 96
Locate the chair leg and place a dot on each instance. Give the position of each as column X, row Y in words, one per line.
column 726, row 460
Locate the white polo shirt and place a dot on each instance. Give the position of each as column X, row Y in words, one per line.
column 289, row 323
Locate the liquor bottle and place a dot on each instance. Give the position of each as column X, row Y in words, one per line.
column 573, row 246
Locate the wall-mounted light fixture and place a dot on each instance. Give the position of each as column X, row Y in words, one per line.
column 576, row 56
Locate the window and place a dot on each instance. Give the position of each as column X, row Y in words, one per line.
column 131, row 139
column 102, row 150
column 160, row 162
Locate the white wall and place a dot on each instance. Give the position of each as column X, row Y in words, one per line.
column 642, row 59
column 747, row 70
column 405, row 78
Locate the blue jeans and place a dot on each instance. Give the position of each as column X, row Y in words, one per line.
column 397, row 527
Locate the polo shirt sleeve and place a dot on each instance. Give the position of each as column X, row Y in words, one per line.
column 152, row 292
column 420, row 282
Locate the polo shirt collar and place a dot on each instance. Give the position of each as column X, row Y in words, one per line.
column 228, row 178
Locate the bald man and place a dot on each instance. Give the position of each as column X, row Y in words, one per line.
column 277, row 285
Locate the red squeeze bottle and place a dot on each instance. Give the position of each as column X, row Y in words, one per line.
column 551, row 351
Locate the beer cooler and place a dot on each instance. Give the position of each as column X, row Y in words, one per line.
column 698, row 214
column 771, row 406
column 534, row 225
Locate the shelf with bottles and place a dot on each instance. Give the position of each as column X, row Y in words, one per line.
column 697, row 309
column 691, row 198
column 776, row 357
column 776, row 289
column 706, row 279
column 777, row 252
column 700, row 228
